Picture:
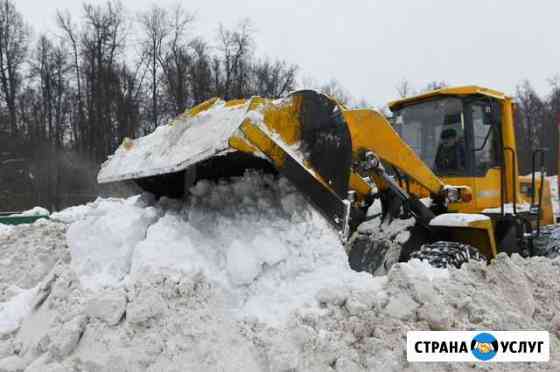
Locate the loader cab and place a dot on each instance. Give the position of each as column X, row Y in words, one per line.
column 466, row 136
column 456, row 136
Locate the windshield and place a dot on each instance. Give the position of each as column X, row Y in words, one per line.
column 435, row 130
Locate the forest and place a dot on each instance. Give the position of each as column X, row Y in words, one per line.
column 68, row 98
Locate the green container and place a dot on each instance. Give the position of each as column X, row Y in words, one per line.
column 18, row 220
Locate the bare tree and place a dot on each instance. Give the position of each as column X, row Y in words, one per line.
column 64, row 21
column 200, row 73
column 127, row 110
column 434, row 85
column 530, row 115
column 50, row 66
column 177, row 61
column 236, row 46
column 531, row 108
column 102, row 44
column 274, row 79
column 156, row 28
column 404, row 88
column 551, row 132
column 14, row 39
column 334, row 89
column 81, row 93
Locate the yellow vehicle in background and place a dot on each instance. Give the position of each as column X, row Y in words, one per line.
column 449, row 161
column 485, row 141
column 475, row 127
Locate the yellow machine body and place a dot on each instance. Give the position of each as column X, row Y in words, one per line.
column 335, row 156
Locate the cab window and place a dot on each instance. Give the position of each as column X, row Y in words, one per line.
column 436, row 131
column 485, row 140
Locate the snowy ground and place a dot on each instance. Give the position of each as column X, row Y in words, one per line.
column 242, row 277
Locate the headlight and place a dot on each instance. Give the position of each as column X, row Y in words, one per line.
column 455, row 194
column 452, row 195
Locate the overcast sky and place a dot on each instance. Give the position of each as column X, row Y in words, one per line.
column 369, row 46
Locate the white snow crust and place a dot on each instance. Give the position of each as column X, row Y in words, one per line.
column 35, row 211
column 13, row 311
column 5, row 230
column 242, row 276
column 508, row 208
column 255, row 237
column 457, row 219
column 74, row 213
column 185, row 141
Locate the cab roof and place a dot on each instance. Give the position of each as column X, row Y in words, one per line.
column 448, row 91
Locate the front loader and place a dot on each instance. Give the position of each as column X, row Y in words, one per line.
column 342, row 160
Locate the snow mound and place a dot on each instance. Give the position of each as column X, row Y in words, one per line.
column 12, row 312
column 173, row 147
column 27, row 254
column 255, row 237
column 5, row 230
column 243, row 276
column 35, row 211
column 75, row 213
column 102, row 242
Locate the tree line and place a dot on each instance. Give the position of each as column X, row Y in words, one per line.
column 70, row 98
column 537, row 119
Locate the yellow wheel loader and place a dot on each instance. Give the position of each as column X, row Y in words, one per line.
column 448, row 160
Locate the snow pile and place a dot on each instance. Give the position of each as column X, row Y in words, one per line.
column 13, row 311
column 36, row 211
column 186, row 140
column 458, row 219
column 5, row 230
column 102, row 242
column 27, row 254
column 75, row 213
column 511, row 294
column 189, row 139
column 509, row 208
column 241, row 277
column 255, row 237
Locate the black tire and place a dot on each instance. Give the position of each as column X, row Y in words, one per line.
column 443, row 254
column 547, row 244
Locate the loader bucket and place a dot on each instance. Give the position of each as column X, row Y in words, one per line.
column 192, row 137
column 303, row 136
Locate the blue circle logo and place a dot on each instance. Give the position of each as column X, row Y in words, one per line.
column 484, row 346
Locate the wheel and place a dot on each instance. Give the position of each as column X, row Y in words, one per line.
column 547, row 244
column 443, row 254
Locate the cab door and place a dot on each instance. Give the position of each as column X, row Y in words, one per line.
column 484, row 157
